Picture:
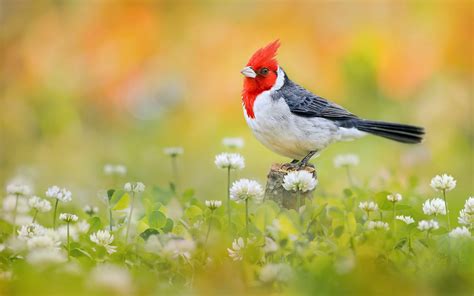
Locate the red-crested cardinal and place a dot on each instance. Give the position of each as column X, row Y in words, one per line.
column 294, row 122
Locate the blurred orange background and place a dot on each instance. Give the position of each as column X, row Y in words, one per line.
column 86, row 83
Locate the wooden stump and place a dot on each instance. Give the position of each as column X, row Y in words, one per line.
column 274, row 189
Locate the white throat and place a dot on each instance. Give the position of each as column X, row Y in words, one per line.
column 279, row 81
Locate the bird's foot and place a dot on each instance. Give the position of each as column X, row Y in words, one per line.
column 292, row 166
column 288, row 167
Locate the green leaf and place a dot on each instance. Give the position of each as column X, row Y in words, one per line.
column 168, row 226
column 160, row 195
column 339, row 230
column 193, row 212
column 78, row 252
column 180, row 230
column 347, row 192
column 401, row 243
column 319, row 210
column 287, row 226
column 156, row 219
column 149, row 232
column 95, row 224
column 188, row 194
column 351, row 222
column 121, row 202
column 110, row 193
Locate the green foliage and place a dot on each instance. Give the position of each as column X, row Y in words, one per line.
column 326, row 247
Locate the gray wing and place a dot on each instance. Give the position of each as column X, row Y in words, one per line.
column 304, row 103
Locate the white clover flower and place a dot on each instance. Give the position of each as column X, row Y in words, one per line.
column 90, row 210
column 434, row 206
column 469, row 205
column 42, row 242
column 466, row 215
column 10, row 201
column 299, row 181
column 66, row 217
column 134, row 187
column 396, row 197
column 346, row 160
column 443, row 183
column 179, row 247
column 270, row 245
column 406, row 219
column 31, row 230
column 112, row 278
column 173, row 151
column 368, row 206
column 83, row 226
column 245, row 189
column 46, row 256
column 104, row 238
column 425, row 225
column 39, row 204
column 115, row 169
column 63, row 194
column 233, row 142
column 460, row 232
column 18, row 189
column 371, row 225
column 466, row 218
column 213, row 204
column 233, row 161
column 128, row 187
column 238, row 246
column 279, row 272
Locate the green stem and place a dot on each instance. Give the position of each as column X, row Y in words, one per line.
column 393, row 218
column 209, row 227
column 54, row 214
column 298, row 201
column 14, row 213
column 174, row 165
column 111, row 222
column 247, row 218
column 228, row 196
column 129, row 217
column 447, row 210
column 68, row 243
column 34, row 217
column 409, row 241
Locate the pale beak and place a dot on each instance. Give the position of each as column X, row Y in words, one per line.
column 248, row 72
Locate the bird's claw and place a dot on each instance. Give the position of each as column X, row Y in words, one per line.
column 296, row 166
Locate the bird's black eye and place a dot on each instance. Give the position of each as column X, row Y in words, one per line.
column 263, row 71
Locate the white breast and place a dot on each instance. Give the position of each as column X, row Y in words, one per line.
column 290, row 135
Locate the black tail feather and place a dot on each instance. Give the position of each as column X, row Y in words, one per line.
column 394, row 131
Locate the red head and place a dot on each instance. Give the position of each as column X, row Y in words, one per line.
column 260, row 74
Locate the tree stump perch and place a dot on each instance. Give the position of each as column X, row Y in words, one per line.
column 274, row 189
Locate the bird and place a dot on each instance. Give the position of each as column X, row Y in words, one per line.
column 297, row 124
